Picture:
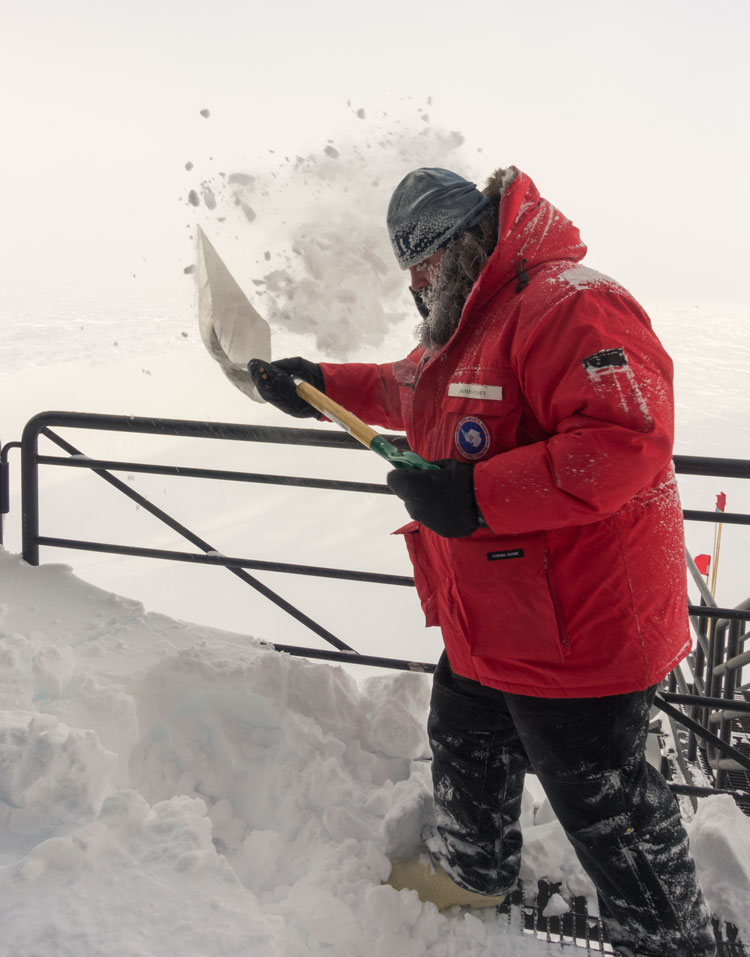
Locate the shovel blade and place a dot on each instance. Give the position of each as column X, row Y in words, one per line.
column 231, row 328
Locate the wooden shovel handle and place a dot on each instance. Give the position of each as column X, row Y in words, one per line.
column 337, row 413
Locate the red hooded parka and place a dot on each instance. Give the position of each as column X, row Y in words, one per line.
column 561, row 394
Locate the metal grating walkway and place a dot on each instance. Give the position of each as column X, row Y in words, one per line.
column 577, row 928
column 740, row 780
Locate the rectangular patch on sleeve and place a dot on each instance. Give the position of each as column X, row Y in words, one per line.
column 475, row 390
column 504, row 556
column 615, row 387
column 607, row 358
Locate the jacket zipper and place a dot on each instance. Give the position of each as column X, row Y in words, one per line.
column 422, row 363
column 410, row 418
column 563, row 637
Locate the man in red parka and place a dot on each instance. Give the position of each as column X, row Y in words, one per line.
column 548, row 547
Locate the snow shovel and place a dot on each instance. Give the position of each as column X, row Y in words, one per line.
column 234, row 333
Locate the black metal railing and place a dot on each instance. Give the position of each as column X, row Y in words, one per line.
column 706, row 705
column 31, row 460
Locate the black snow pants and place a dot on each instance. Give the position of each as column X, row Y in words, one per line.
column 616, row 809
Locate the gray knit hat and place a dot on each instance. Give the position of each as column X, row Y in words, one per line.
column 428, row 208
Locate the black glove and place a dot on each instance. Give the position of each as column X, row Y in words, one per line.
column 274, row 382
column 442, row 499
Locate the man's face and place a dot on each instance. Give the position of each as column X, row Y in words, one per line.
column 423, row 274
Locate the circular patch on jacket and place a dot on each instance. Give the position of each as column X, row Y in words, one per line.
column 472, row 437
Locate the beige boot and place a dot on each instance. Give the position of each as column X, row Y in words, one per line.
column 432, row 884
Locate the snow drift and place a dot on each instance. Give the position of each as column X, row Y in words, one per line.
column 170, row 788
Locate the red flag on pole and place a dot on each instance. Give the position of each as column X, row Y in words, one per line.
column 702, row 563
column 721, row 502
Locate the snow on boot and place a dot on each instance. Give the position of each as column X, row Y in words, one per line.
column 432, row 884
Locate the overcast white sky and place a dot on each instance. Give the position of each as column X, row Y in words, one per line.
column 631, row 117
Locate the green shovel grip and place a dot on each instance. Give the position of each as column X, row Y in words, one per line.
column 397, row 458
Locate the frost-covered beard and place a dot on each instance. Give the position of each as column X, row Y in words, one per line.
column 441, row 303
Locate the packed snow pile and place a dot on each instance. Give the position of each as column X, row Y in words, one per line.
column 167, row 788
column 720, row 838
column 316, row 223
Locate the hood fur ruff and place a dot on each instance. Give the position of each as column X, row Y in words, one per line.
column 498, row 181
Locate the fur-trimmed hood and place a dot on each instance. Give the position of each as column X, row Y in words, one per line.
column 498, row 181
column 531, row 232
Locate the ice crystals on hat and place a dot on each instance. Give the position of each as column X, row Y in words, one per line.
column 428, row 208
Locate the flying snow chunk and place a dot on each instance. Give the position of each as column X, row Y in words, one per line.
column 208, row 196
column 193, row 198
column 242, row 179
column 205, row 114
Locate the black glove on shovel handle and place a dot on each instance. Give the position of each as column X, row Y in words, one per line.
column 296, row 386
column 442, row 499
column 274, row 381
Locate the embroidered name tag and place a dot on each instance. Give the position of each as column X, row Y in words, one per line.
column 475, row 390
column 502, row 556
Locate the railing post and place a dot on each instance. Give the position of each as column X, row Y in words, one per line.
column 30, row 493
column 708, row 684
column 699, row 683
column 730, row 682
column 713, row 684
column 700, row 657
column 718, row 657
column 4, row 490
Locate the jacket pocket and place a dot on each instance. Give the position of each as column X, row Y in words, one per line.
column 503, row 601
column 424, row 579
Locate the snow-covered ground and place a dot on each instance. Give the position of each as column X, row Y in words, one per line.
column 167, row 784
column 170, row 788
